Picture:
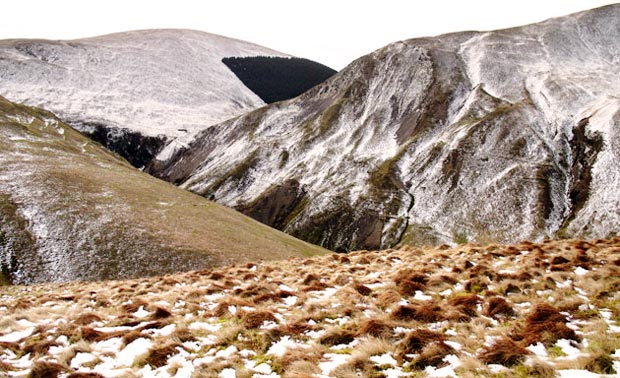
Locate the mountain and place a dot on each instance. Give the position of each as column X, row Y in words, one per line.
column 137, row 92
column 71, row 210
column 490, row 136
column 527, row 310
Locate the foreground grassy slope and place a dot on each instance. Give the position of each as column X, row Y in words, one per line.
column 71, row 210
column 528, row 310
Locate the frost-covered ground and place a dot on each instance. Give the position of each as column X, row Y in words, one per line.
column 548, row 309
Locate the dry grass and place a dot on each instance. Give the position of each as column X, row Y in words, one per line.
column 356, row 308
column 504, row 352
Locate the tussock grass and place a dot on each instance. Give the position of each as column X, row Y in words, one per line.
column 480, row 305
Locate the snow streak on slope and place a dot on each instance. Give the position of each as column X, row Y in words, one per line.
column 503, row 135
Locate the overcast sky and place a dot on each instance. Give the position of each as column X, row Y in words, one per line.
column 332, row 32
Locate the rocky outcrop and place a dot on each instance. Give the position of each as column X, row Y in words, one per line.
column 476, row 136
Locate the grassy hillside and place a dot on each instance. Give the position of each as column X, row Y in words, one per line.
column 527, row 310
column 71, row 210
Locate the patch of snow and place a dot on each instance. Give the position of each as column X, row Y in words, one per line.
column 394, row 373
column 228, row 373
column 384, row 359
column 80, row 359
column 580, row 271
column 570, row 351
column 284, row 287
column 564, row 285
column 205, row 326
column 290, row 301
column 420, row 296
column 538, row 349
column 226, row 353
column 446, row 371
column 576, row 373
column 263, row 368
column 285, row 343
column 332, row 362
column 111, row 346
column 454, row 344
column 134, row 349
column 17, row 335
column 165, row 331
column 497, row 368
column 141, row 313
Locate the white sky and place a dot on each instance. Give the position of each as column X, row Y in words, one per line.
column 331, row 32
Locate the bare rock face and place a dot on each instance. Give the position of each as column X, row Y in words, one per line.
column 494, row 136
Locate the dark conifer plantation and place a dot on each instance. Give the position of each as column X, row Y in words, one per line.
column 275, row 79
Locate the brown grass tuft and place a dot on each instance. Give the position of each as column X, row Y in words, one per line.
column 498, row 306
column 158, row 356
column 421, row 311
column 336, row 336
column 134, row 306
column 85, row 375
column 256, row 318
column 310, row 278
column 433, row 355
column 362, row 289
column 466, row 304
column 300, row 354
column 387, row 298
column 86, row 319
column 161, row 313
column 504, row 352
column 544, row 324
column 315, row 286
column 376, row 328
column 44, row 369
column 418, row 339
column 38, row 347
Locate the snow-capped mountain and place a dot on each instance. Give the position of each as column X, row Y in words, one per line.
column 71, row 210
column 488, row 136
column 136, row 91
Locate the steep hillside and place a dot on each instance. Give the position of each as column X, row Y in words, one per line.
column 134, row 92
column 527, row 310
column 71, row 210
column 491, row 136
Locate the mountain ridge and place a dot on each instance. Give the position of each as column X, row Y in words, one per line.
column 414, row 142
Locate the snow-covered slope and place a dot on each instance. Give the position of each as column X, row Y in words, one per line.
column 502, row 135
column 157, row 83
column 71, row 210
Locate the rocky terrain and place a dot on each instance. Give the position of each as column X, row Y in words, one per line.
column 71, row 210
column 475, row 136
column 546, row 309
column 137, row 92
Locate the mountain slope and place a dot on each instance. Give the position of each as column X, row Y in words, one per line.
column 525, row 310
column 71, row 210
column 503, row 135
column 135, row 91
